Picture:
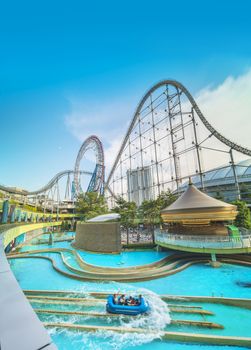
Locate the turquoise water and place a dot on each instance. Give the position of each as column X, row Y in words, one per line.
column 66, row 340
column 199, row 279
column 196, row 280
column 230, row 316
column 45, row 246
column 222, row 315
column 124, row 259
column 204, row 280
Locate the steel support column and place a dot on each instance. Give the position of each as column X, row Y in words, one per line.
column 197, row 151
column 238, row 195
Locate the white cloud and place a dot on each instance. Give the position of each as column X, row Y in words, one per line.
column 112, row 150
column 228, row 108
column 108, row 121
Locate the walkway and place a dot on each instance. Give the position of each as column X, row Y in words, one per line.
column 204, row 244
column 14, row 333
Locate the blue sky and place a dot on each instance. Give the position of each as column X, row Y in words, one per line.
column 70, row 69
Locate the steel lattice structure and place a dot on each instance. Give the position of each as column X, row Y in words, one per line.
column 97, row 181
column 65, row 186
column 168, row 140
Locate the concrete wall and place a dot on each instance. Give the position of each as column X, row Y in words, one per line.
column 20, row 328
column 103, row 237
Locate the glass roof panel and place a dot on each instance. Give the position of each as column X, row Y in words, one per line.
column 248, row 171
column 220, row 173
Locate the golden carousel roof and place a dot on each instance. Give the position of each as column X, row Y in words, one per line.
column 194, row 206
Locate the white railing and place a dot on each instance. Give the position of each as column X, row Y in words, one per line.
column 207, row 242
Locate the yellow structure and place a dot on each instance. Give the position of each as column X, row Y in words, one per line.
column 194, row 210
column 16, row 231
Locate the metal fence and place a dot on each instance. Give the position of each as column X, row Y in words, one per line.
column 196, row 241
column 136, row 236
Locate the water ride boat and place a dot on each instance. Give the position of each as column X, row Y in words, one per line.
column 141, row 307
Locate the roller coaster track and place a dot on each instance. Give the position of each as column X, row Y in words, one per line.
column 97, row 177
column 45, row 188
column 178, row 85
column 94, row 143
column 97, row 180
column 58, row 176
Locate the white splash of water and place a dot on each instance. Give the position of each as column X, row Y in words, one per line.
column 156, row 319
column 119, row 341
column 153, row 323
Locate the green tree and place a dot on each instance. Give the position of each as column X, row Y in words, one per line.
column 91, row 204
column 150, row 211
column 128, row 213
column 165, row 199
column 243, row 217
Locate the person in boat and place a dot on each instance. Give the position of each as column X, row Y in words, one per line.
column 128, row 301
column 132, row 308
column 115, row 298
column 132, row 301
column 139, row 300
column 122, row 299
